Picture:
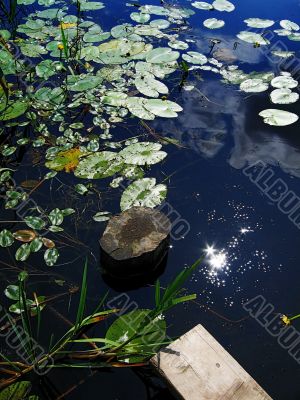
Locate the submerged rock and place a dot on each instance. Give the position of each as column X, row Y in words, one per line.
column 135, row 242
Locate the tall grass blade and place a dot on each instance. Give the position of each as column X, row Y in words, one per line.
column 175, row 287
column 102, row 301
column 82, row 300
column 25, row 318
column 183, row 299
column 65, row 43
column 38, row 314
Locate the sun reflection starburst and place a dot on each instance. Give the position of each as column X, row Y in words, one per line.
column 217, row 259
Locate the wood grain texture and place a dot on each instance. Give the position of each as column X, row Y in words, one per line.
column 197, row 367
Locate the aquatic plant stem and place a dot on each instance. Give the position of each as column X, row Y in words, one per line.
column 294, row 317
column 71, row 70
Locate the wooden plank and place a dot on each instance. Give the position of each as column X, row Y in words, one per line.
column 197, row 367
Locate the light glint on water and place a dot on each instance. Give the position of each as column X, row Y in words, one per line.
column 216, row 259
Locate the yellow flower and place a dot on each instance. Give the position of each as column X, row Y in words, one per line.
column 285, row 319
column 67, row 25
column 60, row 46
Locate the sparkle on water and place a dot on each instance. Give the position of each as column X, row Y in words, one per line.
column 230, row 261
column 217, row 259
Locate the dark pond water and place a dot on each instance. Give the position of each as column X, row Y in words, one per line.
column 255, row 246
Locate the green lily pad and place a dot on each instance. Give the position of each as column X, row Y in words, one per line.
column 23, row 252
column 160, row 24
column 223, row 5
column 7, row 63
column 47, row 68
column 136, row 105
column 35, row 222
column 6, row 238
column 162, row 55
column 25, row 2
column 141, row 18
column 143, row 193
column 36, row 245
column 259, row 23
column 81, row 189
column 56, row 216
column 289, row 25
column 13, row 110
column 277, row 117
column 284, row 81
column 35, row 23
column 33, row 50
column 149, row 86
column 99, row 165
column 202, row 5
column 51, row 256
column 162, row 108
column 156, row 10
column 158, row 70
column 52, row 13
column 254, row 86
column 121, row 31
column 151, row 332
column 284, row 96
column 90, row 53
column 116, row 99
column 213, row 23
column 295, row 36
column 283, row 53
column 91, row 5
column 178, row 45
column 46, row 3
column 143, row 153
column 251, row 37
column 85, row 83
column 5, row 34
column 195, row 57
column 101, row 216
column 49, row 97
column 12, row 292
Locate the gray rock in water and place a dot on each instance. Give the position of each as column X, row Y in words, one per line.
column 135, row 242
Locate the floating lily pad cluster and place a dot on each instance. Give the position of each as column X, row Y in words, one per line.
column 33, row 238
column 252, row 83
column 281, row 94
column 218, row 5
column 70, row 67
column 12, row 292
column 287, row 28
column 75, row 65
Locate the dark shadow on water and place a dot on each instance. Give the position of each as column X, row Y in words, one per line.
column 135, row 282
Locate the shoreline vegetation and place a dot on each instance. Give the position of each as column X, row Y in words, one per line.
column 130, row 341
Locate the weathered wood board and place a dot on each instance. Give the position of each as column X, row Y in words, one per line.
column 197, row 367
